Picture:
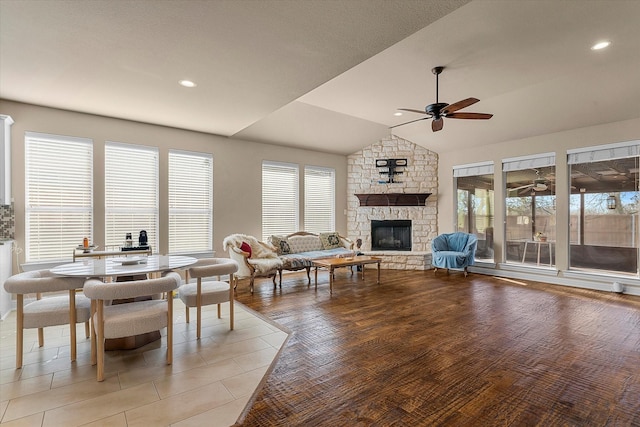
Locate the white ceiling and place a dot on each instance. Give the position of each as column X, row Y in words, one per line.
column 328, row 74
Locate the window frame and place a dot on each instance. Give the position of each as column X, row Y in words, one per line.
column 134, row 172
column 313, row 202
column 476, row 170
column 69, row 169
column 206, row 202
column 274, row 198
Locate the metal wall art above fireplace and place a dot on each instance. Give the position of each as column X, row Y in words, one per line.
column 391, row 235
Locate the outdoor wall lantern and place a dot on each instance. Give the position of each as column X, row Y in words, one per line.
column 611, row 202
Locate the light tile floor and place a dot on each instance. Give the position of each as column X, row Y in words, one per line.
column 209, row 383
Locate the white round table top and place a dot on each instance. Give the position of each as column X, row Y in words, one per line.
column 123, row 266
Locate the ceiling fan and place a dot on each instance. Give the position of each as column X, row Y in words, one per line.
column 538, row 184
column 439, row 110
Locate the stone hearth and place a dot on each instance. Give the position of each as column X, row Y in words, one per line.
column 419, row 176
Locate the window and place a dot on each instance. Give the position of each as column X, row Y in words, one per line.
column 59, row 195
column 190, row 202
column 279, row 199
column 604, row 208
column 475, row 205
column 319, row 199
column 530, row 209
column 131, row 193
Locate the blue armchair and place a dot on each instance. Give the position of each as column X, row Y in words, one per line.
column 454, row 250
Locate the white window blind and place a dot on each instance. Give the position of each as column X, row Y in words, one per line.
column 59, row 195
column 279, row 199
column 190, row 202
column 131, row 193
column 319, row 199
column 529, row 162
column 475, row 169
column 604, row 152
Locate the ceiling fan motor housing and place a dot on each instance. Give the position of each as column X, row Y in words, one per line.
column 435, row 109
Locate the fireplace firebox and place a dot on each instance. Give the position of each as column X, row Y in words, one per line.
column 391, row 235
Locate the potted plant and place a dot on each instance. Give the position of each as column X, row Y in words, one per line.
column 540, row 237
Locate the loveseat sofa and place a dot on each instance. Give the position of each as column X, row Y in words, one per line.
column 297, row 251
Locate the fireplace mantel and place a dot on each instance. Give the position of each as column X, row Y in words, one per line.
column 393, row 199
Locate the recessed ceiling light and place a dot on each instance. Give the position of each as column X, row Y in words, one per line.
column 187, row 83
column 397, row 113
column 600, row 45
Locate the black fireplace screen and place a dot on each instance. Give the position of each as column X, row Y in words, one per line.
column 391, row 235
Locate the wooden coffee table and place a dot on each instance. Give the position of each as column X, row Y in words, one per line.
column 333, row 263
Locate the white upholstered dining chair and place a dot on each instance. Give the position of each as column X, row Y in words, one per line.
column 50, row 310
column 209, row 292
column 130, row 318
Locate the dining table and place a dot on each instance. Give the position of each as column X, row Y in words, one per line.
column 125, row 267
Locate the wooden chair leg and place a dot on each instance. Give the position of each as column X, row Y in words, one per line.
column 199, row 306
column 100, row 340
column 40, row 330
column 186, row 313
column 87, row 329
column 72, row 323
column 219, row 312
column 19, row 329
column 170, row 330
column 94, row 350
column 231, row 313
column 251, row 284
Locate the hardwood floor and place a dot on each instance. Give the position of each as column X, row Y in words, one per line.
column 425, row 349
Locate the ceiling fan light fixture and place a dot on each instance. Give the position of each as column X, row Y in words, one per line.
column 397, row 113
column 601, row 45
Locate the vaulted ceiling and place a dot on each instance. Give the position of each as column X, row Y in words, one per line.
column 328, row 75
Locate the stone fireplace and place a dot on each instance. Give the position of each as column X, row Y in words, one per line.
column 419, row 181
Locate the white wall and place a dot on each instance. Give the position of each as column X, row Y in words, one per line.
column 237, row 167
column 559, row 143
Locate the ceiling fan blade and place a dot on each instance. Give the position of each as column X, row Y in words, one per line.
column 521, row 187
column 459, row 105
column 406, row 123
column 437, row 124
column 412, row 110
column 475, row 116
